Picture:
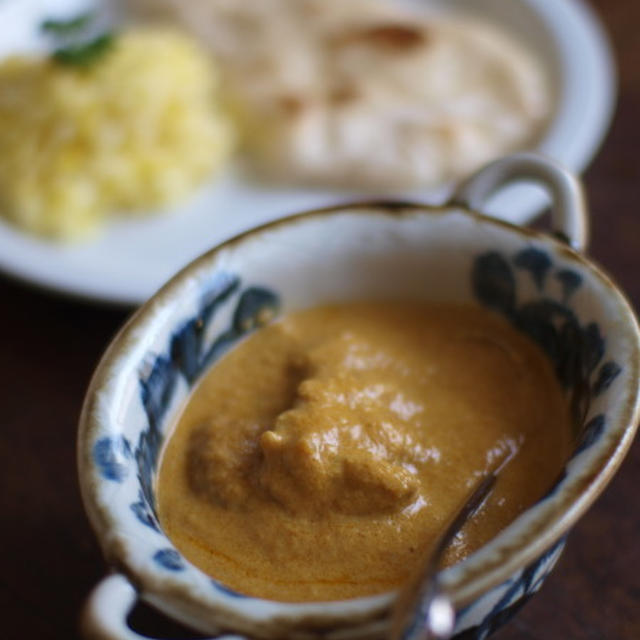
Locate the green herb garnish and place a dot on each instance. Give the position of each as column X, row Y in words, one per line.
column 66, row 27
column 84, row 53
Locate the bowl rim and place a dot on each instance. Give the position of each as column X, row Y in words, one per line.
column 465, row 583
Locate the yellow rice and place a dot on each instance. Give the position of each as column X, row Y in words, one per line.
column 136, row 130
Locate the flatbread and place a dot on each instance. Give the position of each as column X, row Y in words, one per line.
column 367, row 93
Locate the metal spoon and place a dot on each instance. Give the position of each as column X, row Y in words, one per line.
column 422, row 611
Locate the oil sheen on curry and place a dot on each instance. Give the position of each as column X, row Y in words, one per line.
column 319, row 458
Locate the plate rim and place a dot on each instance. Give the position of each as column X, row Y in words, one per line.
column 587, row 37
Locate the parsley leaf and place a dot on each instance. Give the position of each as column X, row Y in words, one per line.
column 66, row 27
column 85, row 53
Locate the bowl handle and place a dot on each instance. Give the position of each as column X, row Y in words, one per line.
column 105, row 614
column 569, row 213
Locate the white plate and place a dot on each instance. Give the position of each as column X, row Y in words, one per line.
column 132, row 258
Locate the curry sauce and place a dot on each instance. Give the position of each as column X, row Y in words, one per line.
column 323, row 455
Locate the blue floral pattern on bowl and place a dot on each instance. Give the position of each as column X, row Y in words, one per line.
column 188, row 357
column 575, row 350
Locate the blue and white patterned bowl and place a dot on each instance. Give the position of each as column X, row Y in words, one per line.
column 375, row 250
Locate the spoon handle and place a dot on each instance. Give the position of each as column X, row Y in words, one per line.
column 422, row 612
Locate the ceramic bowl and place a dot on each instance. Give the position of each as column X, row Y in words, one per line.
column 539, row 282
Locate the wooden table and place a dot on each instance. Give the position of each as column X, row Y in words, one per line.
column 49, row 557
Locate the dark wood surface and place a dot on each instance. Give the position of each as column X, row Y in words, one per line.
column 49, row 556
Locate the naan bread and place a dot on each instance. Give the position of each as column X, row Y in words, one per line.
column 367, row 93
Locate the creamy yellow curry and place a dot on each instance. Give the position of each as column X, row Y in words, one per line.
column 324, row 454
